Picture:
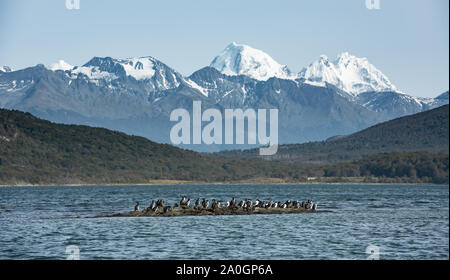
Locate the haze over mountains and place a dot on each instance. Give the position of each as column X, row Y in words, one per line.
column 137, row 95
column 422, row 132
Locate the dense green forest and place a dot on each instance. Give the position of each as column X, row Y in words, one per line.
column 35, row 151
column 427, row 131
column 403, row 166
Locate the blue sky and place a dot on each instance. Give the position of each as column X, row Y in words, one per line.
column 407, row 40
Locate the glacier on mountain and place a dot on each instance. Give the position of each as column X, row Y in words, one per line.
column 93, row 73
column 5, row 69
column 139, row 68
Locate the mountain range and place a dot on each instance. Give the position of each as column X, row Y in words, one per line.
column 137, row 95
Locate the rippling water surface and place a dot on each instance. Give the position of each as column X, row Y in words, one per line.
column 404, row 221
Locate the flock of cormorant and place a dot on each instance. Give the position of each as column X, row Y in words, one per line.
column 160, row 205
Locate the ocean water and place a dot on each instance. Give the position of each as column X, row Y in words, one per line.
column 398, row 221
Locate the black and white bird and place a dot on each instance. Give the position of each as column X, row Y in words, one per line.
column 183, row 201
column 152, row 205
column 205, row 203
column 249, row 204
column 233, row 202
column 214, row 204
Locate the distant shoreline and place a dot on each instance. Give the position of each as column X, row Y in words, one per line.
column 181, row 183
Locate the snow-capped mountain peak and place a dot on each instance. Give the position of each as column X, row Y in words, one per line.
column 349, row 73
column 5, row 69
column 323, row 57
column 147, row 70
column 239, row 59
column 140, row 68
column 61, row 65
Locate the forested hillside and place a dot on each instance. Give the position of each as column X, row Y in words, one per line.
column 35, row 151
